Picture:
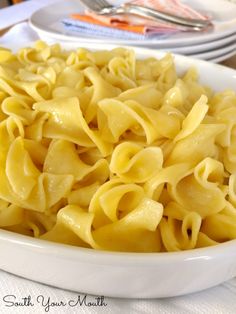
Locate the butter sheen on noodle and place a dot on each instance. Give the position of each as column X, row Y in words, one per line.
column 106, row 151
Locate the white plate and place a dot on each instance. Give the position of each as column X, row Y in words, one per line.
column 128, row 275
column 212, row 54
column 223, row 57
column 219, row 43
column 46, row 22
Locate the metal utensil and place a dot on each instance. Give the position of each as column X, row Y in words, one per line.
column 103, row 7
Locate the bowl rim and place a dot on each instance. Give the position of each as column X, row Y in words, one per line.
column 93, row 256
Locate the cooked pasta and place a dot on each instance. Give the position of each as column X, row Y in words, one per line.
column 105, row 151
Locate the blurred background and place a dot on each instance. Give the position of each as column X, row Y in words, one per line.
column 5, row 3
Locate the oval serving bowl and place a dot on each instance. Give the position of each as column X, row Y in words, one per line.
column 114, row 274
column 127, row 275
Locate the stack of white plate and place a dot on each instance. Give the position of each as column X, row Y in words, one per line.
column 214, row 45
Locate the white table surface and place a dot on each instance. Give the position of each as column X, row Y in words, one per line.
column 20, row 12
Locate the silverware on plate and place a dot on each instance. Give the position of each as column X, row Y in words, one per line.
column 103, row 7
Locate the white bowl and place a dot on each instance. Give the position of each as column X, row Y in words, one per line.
column 127, row 275
column 114, row 274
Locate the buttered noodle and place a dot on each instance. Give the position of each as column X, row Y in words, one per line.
column 102, row 150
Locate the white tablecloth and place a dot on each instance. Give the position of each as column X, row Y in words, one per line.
column 15, row 290
column 218, row 300
column 20, row 12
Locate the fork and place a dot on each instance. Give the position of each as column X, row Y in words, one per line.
column 103, row 7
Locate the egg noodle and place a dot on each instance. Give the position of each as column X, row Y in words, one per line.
column 105, row 151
